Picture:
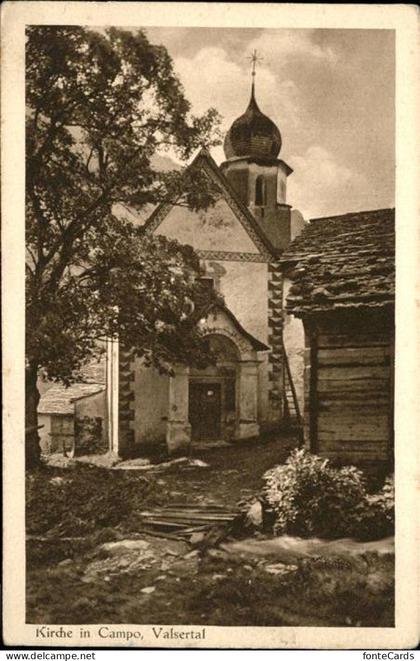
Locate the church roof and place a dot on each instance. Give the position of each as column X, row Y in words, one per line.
column 253, row 135
column 343, row 262
column 205, row 160
column 256, row 344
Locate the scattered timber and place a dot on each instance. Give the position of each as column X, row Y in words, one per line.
column 182, row 520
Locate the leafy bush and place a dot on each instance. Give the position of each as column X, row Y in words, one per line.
column 375, row 517
column 310, row 497
column 80, row 501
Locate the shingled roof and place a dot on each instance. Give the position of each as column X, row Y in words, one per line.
column 59, row 400
column 343, row 262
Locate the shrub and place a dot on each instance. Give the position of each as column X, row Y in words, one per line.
column 310, row 497
column 375, row 517
column 80, row 501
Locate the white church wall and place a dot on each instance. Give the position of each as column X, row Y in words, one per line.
column 244, row 286
column 263, row 385
column 217, row 228
column 151, row 391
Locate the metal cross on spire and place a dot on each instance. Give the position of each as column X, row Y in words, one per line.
column 254, row 58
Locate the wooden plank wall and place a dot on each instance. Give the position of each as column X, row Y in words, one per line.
column 348, row 394
column 353, row 396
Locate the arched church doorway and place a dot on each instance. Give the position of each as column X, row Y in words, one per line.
column 213, row 393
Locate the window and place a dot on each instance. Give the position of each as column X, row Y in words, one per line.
column 260, row 192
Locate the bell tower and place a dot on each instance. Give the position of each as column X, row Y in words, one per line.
column 252, row 167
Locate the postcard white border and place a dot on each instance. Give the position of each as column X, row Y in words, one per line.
column 401, row 18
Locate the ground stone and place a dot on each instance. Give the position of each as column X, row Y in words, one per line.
column 148, row 590
column 279, row 569
column 125, row 545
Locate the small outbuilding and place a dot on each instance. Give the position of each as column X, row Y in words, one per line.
column 342, row 270
column 73, row 419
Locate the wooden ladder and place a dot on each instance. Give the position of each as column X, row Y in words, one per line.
column 290, row 401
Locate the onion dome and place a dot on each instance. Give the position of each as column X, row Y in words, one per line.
column 253, row 135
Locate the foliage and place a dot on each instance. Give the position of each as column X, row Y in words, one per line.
column 84, row 500
column 312, row 498
column 99, row 107
column 375, row 516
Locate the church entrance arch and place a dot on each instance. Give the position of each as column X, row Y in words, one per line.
column 213, row 405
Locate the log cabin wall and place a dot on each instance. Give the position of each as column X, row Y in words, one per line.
column 342, row 270
column 349, row 386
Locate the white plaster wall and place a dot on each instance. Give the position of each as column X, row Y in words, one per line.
column 269, row 172
column 263, row 385
column 294, row 342
column 44, row 433
column 150, row 404
column 217, row 228
column 93, row 407
column 244, row 286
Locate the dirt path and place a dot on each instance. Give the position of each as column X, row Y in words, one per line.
column 234, row 472
column 120, row 574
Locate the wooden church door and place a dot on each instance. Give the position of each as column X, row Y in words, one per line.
column 205, row 411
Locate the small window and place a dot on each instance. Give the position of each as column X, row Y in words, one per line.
column 260, row 192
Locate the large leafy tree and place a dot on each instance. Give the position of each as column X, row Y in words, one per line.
column 99, row 108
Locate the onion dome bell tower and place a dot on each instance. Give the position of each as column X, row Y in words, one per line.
column 253, row 168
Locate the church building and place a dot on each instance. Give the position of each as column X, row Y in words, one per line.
column 305, row 332
column 258, row 378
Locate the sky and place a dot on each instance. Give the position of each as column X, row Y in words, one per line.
column 330, row 92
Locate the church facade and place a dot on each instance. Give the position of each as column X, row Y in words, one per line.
column 240, row 241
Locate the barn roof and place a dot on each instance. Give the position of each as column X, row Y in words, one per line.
column 343, row 262
column 59, row 400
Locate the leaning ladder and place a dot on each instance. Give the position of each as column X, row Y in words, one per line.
column 290, row 401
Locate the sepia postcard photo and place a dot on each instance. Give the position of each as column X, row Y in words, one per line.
column 208, row 301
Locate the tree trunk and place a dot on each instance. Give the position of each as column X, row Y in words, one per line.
column 32, row 447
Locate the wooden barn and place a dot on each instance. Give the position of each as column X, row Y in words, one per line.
column 343, row 287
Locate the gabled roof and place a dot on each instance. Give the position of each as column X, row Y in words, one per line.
column 256, row 344
column 342, row 262
column 245, row 217
column 59, row 400
column 95, row 371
